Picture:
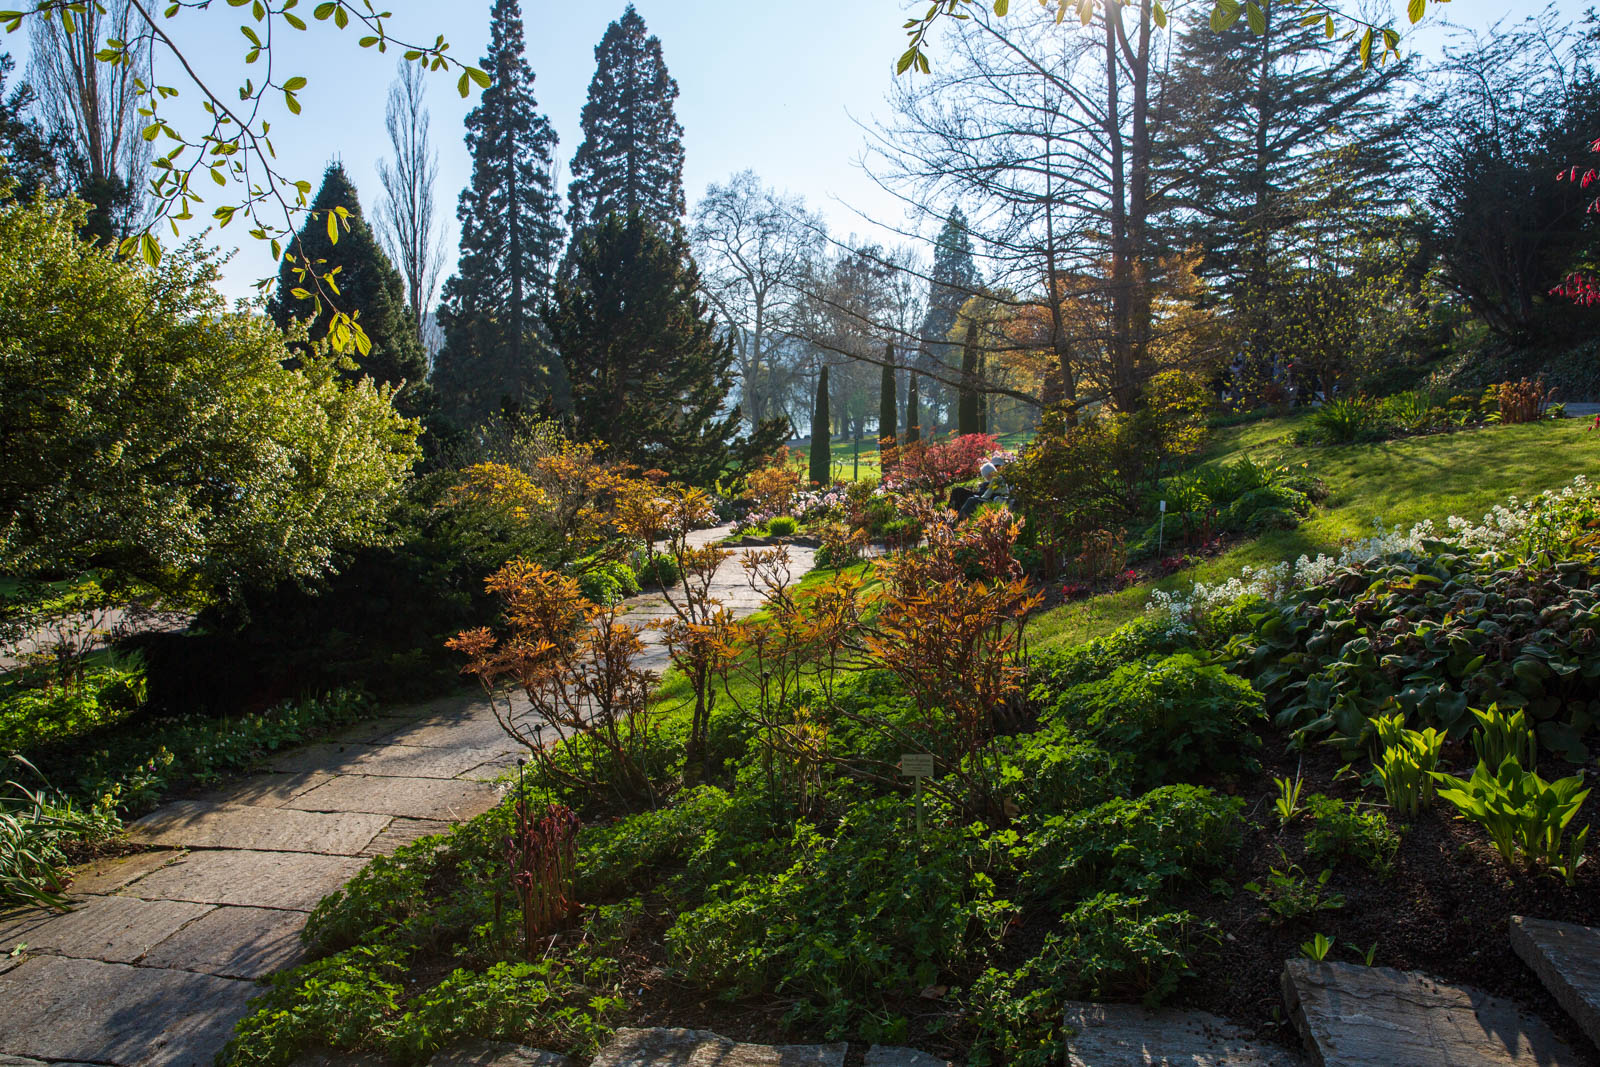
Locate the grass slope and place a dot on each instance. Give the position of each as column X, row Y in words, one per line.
column 1399, row 483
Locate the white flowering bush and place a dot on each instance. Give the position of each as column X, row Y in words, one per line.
column 1518, row 528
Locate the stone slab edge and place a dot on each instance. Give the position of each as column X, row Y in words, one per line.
column 1574, row 1000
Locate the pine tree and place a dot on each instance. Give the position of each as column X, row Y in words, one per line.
column 953, row 282
column 968, row 419
column 821, row 434
column 650, row 371
column 29, row 157
column 494, row 350
column 888, row 413
column 913, row 420
column 370, row 289
column 631, row 158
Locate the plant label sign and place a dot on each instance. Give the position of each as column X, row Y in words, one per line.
column 916, row 765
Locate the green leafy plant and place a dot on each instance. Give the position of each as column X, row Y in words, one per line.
column 1317, row 948
column 1345, row 421
column 1500, row 737
column 35, row 824
column 1289, row 892
column 1525, row 816
column 1339, row 830
column 782, row 526
column 1176, row 716
column 1136, row 846
column 1406, row 764
column 1108, row 947
column 1288, row 803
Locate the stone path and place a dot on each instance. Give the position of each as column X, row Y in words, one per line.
column 1354, row 1016
column 1566, row 957
column 1128, row 1035
column 155, row 964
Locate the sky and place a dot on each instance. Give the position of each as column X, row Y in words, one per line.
column 776, row 86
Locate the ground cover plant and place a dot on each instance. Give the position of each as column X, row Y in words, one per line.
column 1078, row 839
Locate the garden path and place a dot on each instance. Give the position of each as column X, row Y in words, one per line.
column 156, row 962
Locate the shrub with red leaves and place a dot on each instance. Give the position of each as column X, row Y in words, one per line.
column 543, row 855
column 938, row 465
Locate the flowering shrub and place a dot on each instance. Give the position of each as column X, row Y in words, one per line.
column 936, row 466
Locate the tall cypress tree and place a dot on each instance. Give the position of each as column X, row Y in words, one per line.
column 370, row 289
column 650, row 372
column 967, row 416
column 913, row 419
column 821, row 434
column 888, row 414
column 953, row 282
column 631, row 158
column 494, row 348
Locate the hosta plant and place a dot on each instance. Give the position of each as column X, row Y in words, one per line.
column 1526, row 816
column 1500, row 737
column 1406, row 764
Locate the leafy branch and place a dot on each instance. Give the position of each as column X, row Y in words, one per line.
column 1224, row 15
column 236, row 150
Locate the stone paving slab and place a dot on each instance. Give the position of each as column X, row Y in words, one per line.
column 499, row 1054
column 409, row 761
column 112, row 929
column 234, row 943
column 197, row 824
column 669, row 1047
column 413, row 798
column 293, row 880
column 111, row 874
column 402, row 832
column 897, row 1056
column 329, row 757
column 1354, row 1016
column 1566, row 957
column 1128, row 1035
column 268, row 790
column 476, row 729
column 110, row 1013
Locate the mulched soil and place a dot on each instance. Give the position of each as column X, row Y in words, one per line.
column 1443, row 911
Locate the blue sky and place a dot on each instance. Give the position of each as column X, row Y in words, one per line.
column 770, row 85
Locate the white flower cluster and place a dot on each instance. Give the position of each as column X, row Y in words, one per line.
column 1503, row 526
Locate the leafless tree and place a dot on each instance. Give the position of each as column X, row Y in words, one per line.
column 93, row 108
column 755, row 246
column 407, row 221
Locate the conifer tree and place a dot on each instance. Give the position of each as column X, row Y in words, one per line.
column 649, row 370
column 888, row 414
column 968, row 419
column 821, row 434
column 631, row 158
column 913, row 419
column 495, row 350
column 370, row 289
column 953, row 282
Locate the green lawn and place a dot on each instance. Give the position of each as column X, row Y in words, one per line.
column 1399, row 482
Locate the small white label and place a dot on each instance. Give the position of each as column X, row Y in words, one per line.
column 916, row 765
column 1163, row 507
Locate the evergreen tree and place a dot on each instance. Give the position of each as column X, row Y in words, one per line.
column 631, row 158
column 29, row 157
column 821, row 434
column 967, row 410
column 370, row 289
column 1276, row 145
column 888, row 415
column 913, row 420
column 650, row 372
column 494, row 349
column 954, row 281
